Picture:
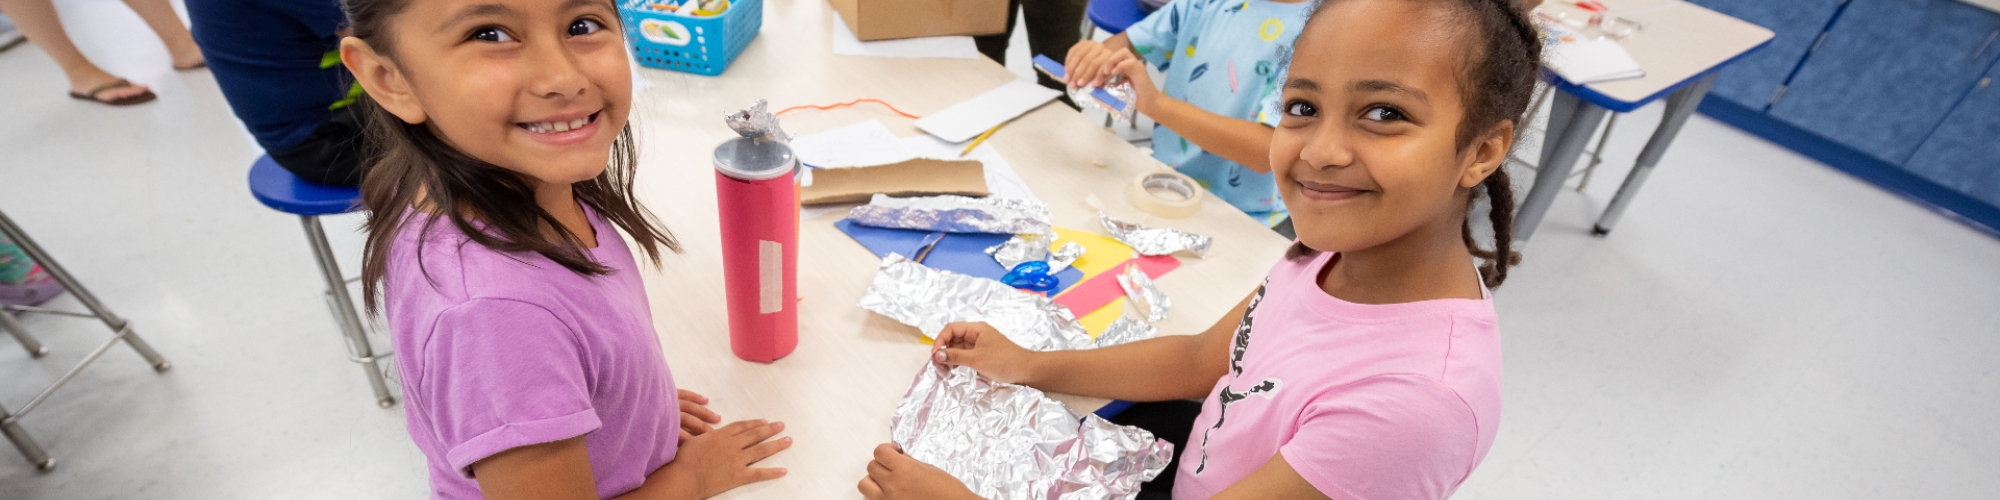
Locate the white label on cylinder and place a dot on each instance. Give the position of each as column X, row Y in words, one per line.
column 770, row 277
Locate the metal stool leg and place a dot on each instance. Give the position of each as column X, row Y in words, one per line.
column 14, row 327
column 11, row 426
column 344, row 313
column 111, row 320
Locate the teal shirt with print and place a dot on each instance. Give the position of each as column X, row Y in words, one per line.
column 1224, row 56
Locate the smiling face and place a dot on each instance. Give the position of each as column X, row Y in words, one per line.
column 539, row 87
column 1367, row 150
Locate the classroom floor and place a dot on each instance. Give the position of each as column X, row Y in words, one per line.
column 1760, row 326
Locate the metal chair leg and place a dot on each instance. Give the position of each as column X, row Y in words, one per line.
column 111, row 320
column 14, row 327
column 11, row 426
column 343, row 312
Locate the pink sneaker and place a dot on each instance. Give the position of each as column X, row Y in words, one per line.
column 39, row 287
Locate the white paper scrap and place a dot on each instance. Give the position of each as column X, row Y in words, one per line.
column 963, row 121
column 944, row 47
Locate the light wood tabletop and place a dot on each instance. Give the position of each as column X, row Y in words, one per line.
column 1677, row 42
column 836, row 392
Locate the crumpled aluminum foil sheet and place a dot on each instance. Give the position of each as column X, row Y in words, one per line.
column 757, row 121
column 1011, row 442
column 1126, row 331
column 1087, row 98
column 954, row 214
column 1154, row 241
column 1141, row 293
column 928, row 299
column 1065, row 256
column 1018, row 249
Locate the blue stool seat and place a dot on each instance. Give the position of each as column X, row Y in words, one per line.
column 279, row 189
column 1115, row 15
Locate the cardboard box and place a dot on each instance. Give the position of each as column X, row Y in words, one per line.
column 890, row 19
column 922, row 176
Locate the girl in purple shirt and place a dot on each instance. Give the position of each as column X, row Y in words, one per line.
column 1368, row 365
column 501, row 180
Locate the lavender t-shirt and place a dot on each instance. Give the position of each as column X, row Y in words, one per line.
column 1395, row 401
column 502, row 350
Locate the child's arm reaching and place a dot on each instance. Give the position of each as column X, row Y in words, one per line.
column 1245, row 142
column 1158, row 369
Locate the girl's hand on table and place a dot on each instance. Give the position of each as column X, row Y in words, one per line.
column 720, row 460
column 896, row 475
column 979, row 346
column 696, row 418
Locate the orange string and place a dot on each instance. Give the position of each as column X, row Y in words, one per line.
column 850, row 103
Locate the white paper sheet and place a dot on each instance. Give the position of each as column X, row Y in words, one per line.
column 870, row 143
column 1582, row 60
column 963, row 121
column 861, row 144
column 945, row 47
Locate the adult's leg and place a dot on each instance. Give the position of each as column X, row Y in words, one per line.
column 995, row 46
column 37, row 20
column 331, row 155
column 1052, row 30
column 160, row 16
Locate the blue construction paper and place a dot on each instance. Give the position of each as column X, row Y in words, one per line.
column 962, row 253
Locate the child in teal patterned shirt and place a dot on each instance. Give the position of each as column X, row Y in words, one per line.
column 1221, row 60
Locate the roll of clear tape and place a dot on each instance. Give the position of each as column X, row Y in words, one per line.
column 1165, row 194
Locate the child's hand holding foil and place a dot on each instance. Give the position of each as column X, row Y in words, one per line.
column 979, row 346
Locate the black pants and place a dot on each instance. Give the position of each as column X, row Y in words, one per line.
column 1053, row 26
column 1169, row 420
column 331, row 155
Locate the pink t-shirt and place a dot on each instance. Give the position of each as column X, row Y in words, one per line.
column 1395, row 401
column 502, row 350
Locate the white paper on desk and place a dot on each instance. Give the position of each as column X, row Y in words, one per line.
column 945, row 47
column 870, row 143
column 862, row 144
column 1582, row 60
column 963, row 121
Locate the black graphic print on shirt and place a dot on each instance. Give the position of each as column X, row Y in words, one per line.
column 1229, row 395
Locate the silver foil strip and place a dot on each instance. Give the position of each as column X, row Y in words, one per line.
column 1065, row 256
column 954, row 214
column 929, row 298
column 1086, row 97
column 1142, row 294
column 1154, row 241
column 1020, row 249
column 757, row 121
column 1125, row 331
column 1011, row 442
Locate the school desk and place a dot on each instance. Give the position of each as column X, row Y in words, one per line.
column 1680, row 46
column 836, row 391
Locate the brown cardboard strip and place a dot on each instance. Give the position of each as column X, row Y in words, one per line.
column 922, row 176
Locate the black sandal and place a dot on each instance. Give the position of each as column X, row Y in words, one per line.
column 123, row 101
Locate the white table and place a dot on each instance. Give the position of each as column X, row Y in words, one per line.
column 836, row 392
column 1681, row 46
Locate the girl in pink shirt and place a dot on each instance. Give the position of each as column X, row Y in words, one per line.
column 501, row 177
column 1368, row 364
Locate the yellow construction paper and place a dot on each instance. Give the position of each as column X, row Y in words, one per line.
column 1098, row 320
column 1100, row 252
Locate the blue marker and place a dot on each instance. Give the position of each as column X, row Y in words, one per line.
column 1055, row 69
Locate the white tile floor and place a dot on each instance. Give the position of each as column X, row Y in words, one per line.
column 1760, row 326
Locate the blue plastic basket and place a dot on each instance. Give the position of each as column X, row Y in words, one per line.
column 699, row 45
